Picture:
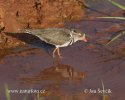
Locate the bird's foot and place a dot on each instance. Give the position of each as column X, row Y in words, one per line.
column 59, row 56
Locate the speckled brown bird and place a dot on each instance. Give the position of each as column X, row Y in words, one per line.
column 59, row 37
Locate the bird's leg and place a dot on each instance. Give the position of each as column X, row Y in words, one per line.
column 54, row 52
column 58, row 52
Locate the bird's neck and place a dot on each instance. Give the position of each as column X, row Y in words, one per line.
column 75, row 39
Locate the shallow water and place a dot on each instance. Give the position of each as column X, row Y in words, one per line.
column 82, row 66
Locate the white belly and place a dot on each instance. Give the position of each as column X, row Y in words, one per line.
column 64, row 45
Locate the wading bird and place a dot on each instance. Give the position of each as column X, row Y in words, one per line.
column 59, row 37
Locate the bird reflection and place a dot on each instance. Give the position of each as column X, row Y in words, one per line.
column 57, row 72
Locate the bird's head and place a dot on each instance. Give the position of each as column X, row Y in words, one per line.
column 78, row 36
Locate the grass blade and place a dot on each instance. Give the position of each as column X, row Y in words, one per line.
column 7, row 92
column 115, row 38
column 121, row 18
column 103, row 96
column 25, row 97
column 117, row 4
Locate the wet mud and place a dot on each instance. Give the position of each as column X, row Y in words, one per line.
column 38, row 13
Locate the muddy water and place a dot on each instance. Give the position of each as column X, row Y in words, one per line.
column 82, row 66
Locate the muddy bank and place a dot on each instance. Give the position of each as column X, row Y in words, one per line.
column 15, row 14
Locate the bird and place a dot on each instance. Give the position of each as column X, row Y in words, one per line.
column 59, row 37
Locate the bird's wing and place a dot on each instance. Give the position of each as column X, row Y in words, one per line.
column 52, row 36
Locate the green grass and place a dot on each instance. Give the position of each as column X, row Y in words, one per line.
column 119, row 18
column 117, row 4
column 38, row 97
column 116, row 37
column 8, row 96
column 103, row 88
column 7, row 92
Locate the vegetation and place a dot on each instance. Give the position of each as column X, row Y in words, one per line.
column 119, row 18
column 103, row 94
column 8, row 96
column 7, row 92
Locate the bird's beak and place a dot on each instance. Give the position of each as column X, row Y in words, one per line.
column 84, row 38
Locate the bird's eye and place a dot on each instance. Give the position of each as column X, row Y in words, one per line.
column 74, row 31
